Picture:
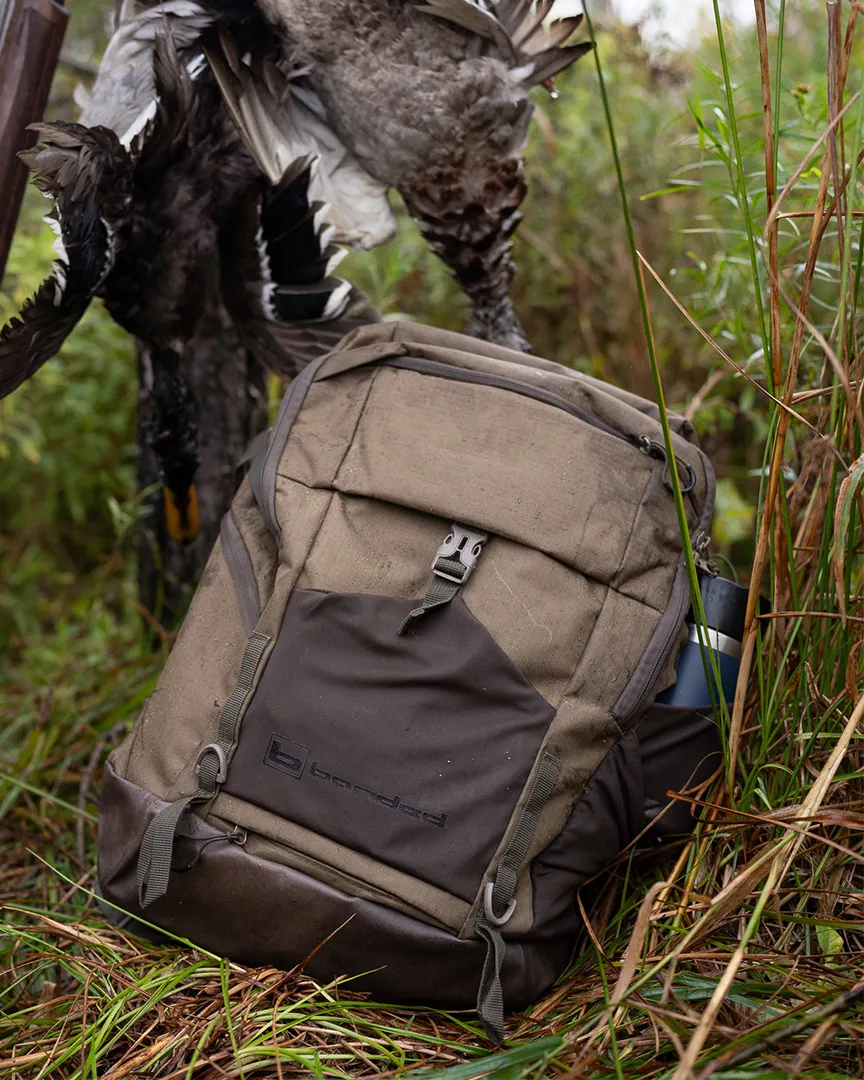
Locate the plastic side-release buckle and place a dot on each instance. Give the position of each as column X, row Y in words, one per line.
column 463, row 547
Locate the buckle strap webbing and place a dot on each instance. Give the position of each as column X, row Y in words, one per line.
column 154, row 858
column 453, row 564
column 499, row 898
column 490, row 996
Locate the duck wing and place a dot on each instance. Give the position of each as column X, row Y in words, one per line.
column 279, row 281
column 281, row 120
column 125, row 86
column 86, row 172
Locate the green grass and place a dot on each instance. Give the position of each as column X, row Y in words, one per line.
column 748, row 961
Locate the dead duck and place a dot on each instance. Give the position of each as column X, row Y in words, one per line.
column 161, row 258
column 148, row 220
column 430, row 98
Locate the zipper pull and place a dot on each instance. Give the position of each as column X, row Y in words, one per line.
column 686, row 473
column 651, row 448
column 702, row 554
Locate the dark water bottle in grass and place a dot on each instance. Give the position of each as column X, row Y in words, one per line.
column 679, row 736
column 725, row 604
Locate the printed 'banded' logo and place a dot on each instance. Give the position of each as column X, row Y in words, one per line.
column 292, row 759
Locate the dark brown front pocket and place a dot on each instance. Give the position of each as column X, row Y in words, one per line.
column 413, row 750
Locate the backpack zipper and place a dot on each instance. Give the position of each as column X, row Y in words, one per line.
column 657, row 450
column 261, row 845
column 644, row 443
column 663, row 654
column 643, row 683
column 288, row 410
column 502, row 382
column 239, row 562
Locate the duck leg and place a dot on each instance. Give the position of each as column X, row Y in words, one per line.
column 169, row 426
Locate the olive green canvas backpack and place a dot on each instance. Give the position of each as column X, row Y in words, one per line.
column 405, row 713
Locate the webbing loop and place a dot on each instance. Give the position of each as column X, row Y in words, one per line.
column 490, row 996
column 499, row 898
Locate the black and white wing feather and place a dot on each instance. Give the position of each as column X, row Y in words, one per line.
column 297, row 258
column 283, row 293
column 281, row 120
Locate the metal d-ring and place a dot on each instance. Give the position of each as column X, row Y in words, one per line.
column 487, row 907
column 214, row 748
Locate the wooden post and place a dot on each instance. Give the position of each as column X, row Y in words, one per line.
column 31, row 33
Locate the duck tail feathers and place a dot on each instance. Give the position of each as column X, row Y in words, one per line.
column 550, row 62
column 519, row 31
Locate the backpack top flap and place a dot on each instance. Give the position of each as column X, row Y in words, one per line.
column 603, row 407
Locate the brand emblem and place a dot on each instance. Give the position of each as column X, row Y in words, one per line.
column 287, row 756
column 291, row 758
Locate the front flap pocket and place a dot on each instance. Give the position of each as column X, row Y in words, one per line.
column 411, row 749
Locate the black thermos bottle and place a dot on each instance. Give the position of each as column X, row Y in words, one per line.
column 679, row 737
column 725, row 604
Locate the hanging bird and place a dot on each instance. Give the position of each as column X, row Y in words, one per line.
column 167, row 218
column 432, row 98
column 161, row 222
column 279, row 116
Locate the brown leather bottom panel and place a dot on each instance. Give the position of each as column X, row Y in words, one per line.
column 260, row 913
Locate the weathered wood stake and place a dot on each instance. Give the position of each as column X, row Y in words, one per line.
column 31, row 33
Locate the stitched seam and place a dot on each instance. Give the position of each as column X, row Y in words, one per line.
column 634, row 528
column 350, row 441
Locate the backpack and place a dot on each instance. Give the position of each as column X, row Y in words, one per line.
column 401, row 723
